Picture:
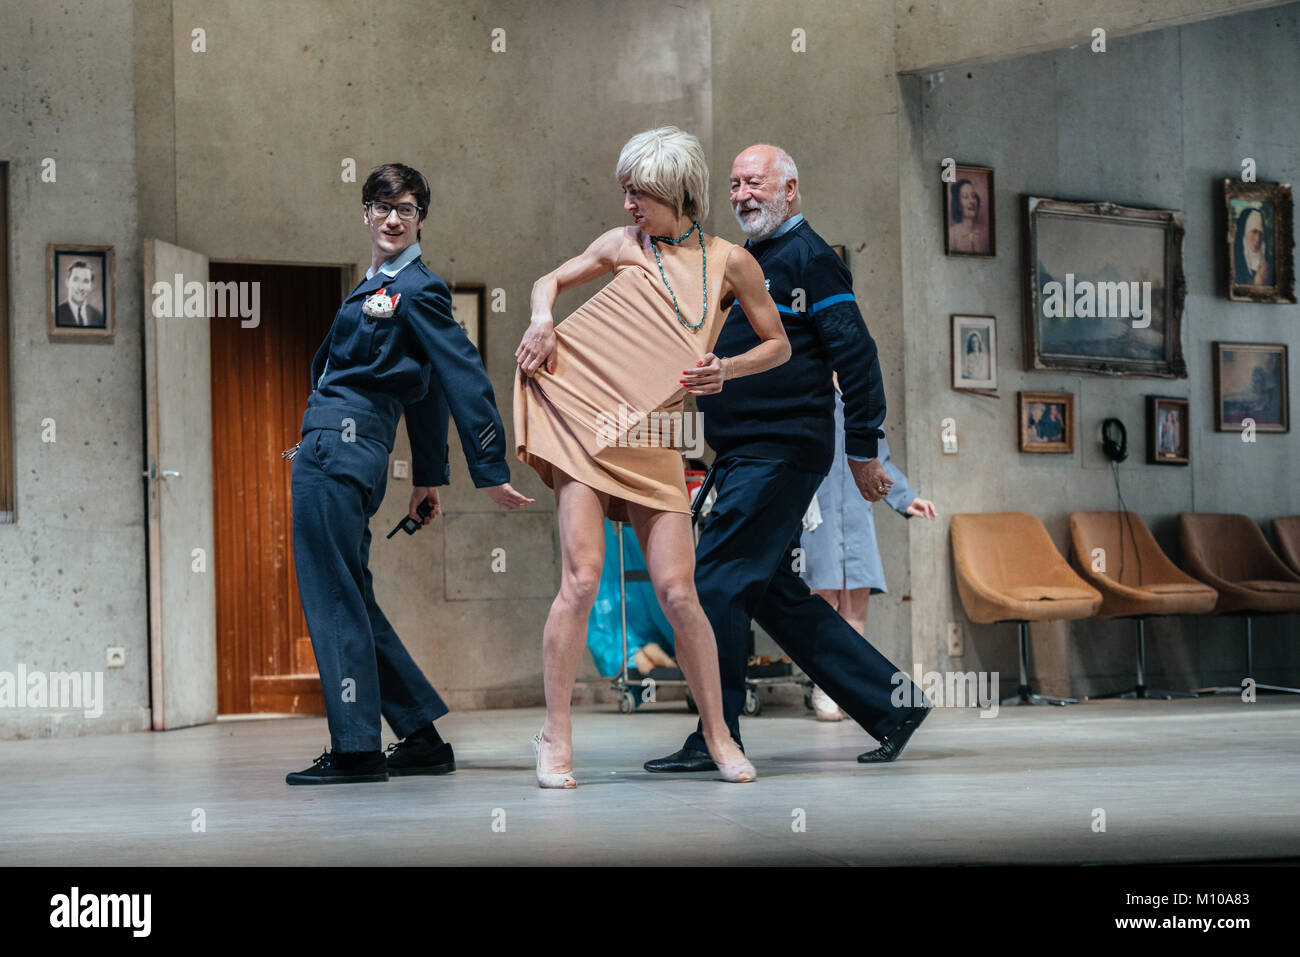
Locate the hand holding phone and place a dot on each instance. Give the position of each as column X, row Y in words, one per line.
column 410, row 525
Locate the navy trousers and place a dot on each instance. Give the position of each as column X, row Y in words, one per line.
column 744, row 569
column 364, row 669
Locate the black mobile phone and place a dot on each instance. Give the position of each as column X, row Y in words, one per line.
column 410, row 525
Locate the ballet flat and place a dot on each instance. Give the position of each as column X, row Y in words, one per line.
column 550, row 779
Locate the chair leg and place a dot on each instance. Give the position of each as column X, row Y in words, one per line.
column 1141, row 691
column 1250, row 665
column 1250, row 669
column 1024, row 695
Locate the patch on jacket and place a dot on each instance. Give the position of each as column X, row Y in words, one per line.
column 381, row 305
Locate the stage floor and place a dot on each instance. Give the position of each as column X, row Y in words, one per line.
column 1192, row 780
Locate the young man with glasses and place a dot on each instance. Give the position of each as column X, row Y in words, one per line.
column 393, row 349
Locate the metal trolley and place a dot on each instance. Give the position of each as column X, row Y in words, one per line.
column 630, row 683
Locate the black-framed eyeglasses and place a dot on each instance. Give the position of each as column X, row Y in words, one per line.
column 405, row 211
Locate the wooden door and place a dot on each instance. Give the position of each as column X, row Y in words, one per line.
column 178, row 474
column 260, row 385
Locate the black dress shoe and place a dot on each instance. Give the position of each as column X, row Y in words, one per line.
column 684, row 760
column 417, row 756
column 894, row 742
column 338, row 767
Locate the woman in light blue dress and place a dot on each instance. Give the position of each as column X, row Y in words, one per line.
column 841, row 558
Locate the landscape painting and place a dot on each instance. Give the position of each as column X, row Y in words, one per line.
column 1104, row 289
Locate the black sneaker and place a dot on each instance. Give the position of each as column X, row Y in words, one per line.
column 342, row 768
column 417, row 756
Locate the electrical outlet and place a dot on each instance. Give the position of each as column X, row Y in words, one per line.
column 401, row 468
column 948, row 435
column 954, row 639
column 116, row 657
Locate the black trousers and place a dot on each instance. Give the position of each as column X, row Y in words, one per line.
column 745, row 570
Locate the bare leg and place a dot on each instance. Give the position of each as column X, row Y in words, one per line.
column 853, row 608
column 641, row 661
column 651, row 656
column 831, row 596
column 580, row 513
column 658, row 656
column 669, row 547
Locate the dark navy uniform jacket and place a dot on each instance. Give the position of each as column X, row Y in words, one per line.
column 419, row 361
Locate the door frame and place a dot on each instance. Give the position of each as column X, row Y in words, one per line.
column 347, row 273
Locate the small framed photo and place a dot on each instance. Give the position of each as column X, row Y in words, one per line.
column 974, row 353
column 1168, row 434
column 1261, row 264
column 1046, row 422
column 969, row 223
column 80, row 293
column 469, row 309
column 842, row 251
column 1251, row 387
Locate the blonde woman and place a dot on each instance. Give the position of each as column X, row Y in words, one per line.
column 587, row 391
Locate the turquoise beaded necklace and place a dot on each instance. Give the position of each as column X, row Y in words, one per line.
column 704, row 272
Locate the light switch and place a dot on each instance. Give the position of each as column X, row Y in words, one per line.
column 401, row 468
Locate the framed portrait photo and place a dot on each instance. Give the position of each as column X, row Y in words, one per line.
column 1251, row 387
column 1168, row 432
column 1046, row 422
column 974, row 353
column 469, row 309
column 969, row 224
column 80, row 292
column 1104, row 289
column 1261, row 253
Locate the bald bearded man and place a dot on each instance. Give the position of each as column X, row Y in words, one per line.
column 774, row 435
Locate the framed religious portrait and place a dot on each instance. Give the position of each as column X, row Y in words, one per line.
column 1104, row 289
column 1168, row 432
column 974, row 353
column 1261, row 251
column 969, row 226
column 469, row 309
column 80, row 292
column 1046, row 422
column 1251, row 387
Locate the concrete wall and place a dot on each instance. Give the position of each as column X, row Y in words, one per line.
column 519, row 147
column 932, row 34
column 1155, row 121
column 72, row 568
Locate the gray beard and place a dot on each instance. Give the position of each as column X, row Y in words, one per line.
column 772, row 215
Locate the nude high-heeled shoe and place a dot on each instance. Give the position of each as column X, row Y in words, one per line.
column 550, row 779
column 741, row 773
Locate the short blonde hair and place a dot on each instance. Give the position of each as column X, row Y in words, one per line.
column 669, row 164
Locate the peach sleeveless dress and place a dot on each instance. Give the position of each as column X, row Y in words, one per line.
column 610, row 415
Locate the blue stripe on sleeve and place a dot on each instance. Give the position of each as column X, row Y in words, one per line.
column 831, row 300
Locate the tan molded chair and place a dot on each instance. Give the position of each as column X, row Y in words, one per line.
column 1286, row 532
column 1230, row 553
column 1136, row 580
column 1008, row 570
